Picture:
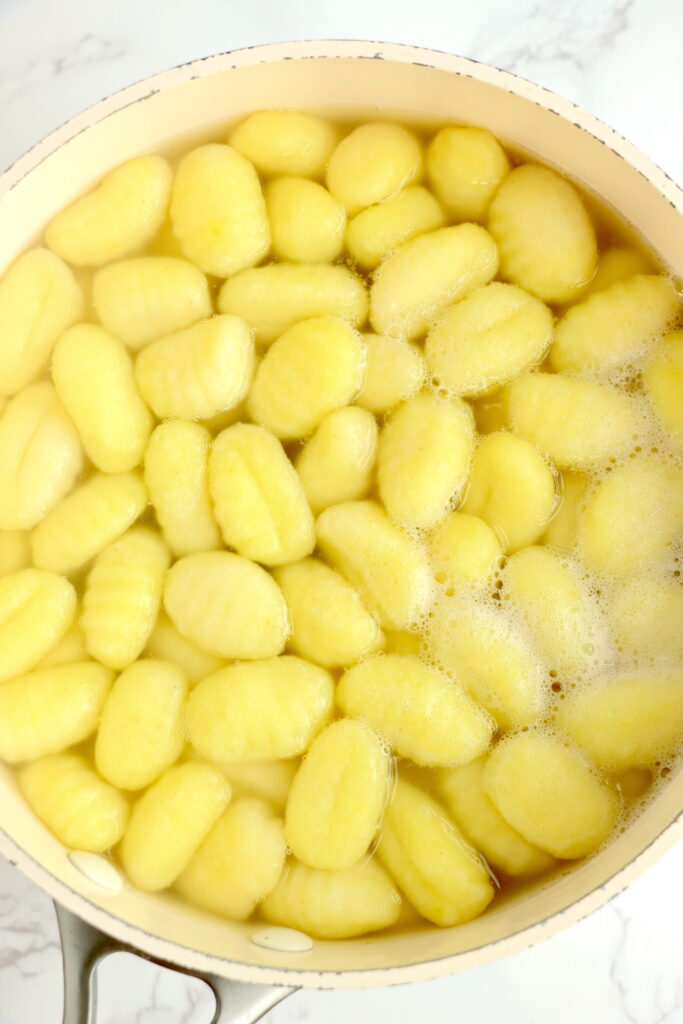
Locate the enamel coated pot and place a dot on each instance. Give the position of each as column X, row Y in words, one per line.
column 352, row 80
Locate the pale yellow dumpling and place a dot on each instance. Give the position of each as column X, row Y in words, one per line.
column 313, row 368
column 81, row 810
column 543, row 232
column 337, row 463
column 489, row 654
column 487, row 338
column 512, row 488
column 373, row 163
column 141, row 299
column 50, row 709
column 36, row 609
column 170, row 821
column 579, row 424
column 258, row 497
column 337, row 797
column 614, row 327
column 141, row 730
column 394, row 370
column 285, row 141
column 199, row 372
column 423, row 458
column 276, row 297
column 423, row 851
column 465, row 167
column 463, row 549
column 550, row 795
column 646, row 616
column 376, row 232
column 93, row 374
column 40, row 456
column 306, row 222
column 218, row 211
column 177, row 478
column 626, row 721
column 330, row 624
column 238, row 863
column 663, row 382
column 397, row 695
column 333, row 904
column 632, row 516
column 462, row 791
column 414, row 286
column 39, row 298
column 272, row 708
column 226, row 605
column 388, row 566
column 117, row 218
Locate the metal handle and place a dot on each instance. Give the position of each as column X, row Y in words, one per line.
column 237, row 1002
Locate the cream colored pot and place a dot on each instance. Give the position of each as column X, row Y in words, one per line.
column 347, row 79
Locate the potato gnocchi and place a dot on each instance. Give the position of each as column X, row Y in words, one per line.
column 341, row 517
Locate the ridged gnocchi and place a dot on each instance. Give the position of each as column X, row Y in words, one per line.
column 285, row 142
column 377, row 231
column 306, row 222
column 36, row 609
column 337, row 463
column 663, row 383
column 466, row 167
column 394, row 370
column 372, row 163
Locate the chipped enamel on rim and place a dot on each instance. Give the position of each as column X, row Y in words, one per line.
column 642, row 186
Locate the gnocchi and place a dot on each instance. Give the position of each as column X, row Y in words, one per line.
column 36, row 609
column 337, row 462
column 394, row 370
column 377, row 231
column 466, row 167
column 372, row 164
column 306, row 222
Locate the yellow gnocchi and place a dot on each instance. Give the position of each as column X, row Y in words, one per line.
column 463, row 549
column 423, row 459
column 487, row 338
column 394, row 370
column 39, row 298
column 258, row 498
column 663, row 382
column 36, row 609
column 478, row 645
column 377, row 231
column 122, row 596
column 337, row 797
column 646, row 613
column 415, row 285
column 373, row 163
column 466, row 167
column 117, row 218
column 334, row 904
column 306, row 222
column 388, row 566
column 50, row 709
column 276, row 297
column 199, row 372
column 218, row 211
column 40, row 457
column 462, row 791
column 396, row 694
column 512, row 488
column 626, row 721
column 330, row 624
column 253, row 710
column 93, row 374
column 314, row 368
column 285, row 142
column 88, row 519
column 170, row 821
column 139, row 300
column 579, row 424
column 543, row 232
column 177, row 478
column 421, row 848
column 81, row 810
column 337, row 462
column 238, row 863
column 613, row 327
column 141, row 730
column 550, row 795
column 226, row 605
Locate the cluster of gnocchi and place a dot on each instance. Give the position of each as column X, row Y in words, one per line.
column 341, row 500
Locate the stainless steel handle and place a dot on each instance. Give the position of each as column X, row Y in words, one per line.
column 237, row 1002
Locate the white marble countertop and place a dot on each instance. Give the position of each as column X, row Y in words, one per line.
column 621, row 59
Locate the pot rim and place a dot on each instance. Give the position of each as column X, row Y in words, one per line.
column 174, row 953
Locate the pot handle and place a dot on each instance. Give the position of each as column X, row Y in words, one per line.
column 237, row 1002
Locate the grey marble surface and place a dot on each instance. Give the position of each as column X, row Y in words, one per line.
column 621, row 59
